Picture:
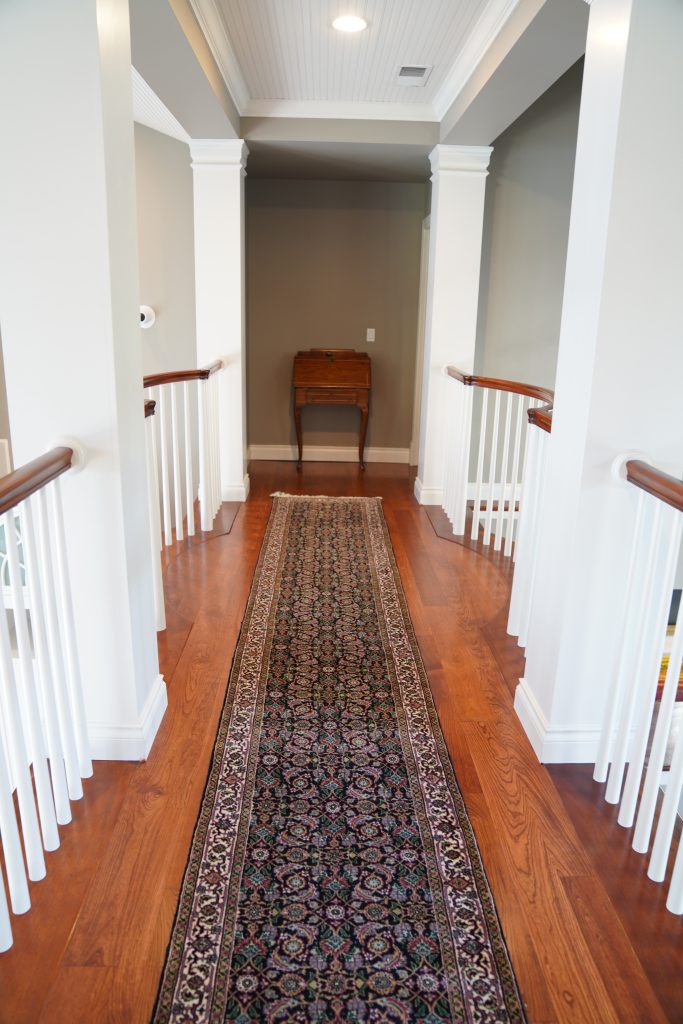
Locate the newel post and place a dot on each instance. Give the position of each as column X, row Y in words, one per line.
column 218, row 167
column 457, row 218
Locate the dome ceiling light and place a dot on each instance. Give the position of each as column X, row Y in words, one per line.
column 349, row 23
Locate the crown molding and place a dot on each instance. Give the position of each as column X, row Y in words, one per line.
column 150, row 111
column 216, row 34
column 461, row 159
column 219, row 151
column 344, row 110
column 492, row 19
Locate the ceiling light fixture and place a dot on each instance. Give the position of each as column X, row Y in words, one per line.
column 349, row 23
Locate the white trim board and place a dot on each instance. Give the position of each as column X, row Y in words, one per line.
column 323, row 453
column 130, row 742
column 427, row 495
column 578, row 745
column 236, row 492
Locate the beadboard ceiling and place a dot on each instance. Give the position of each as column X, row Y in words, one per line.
column 283, row 58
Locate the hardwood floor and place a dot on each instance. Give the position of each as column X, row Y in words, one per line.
column 587, row 932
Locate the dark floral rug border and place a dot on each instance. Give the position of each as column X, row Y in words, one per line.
column 425, row 944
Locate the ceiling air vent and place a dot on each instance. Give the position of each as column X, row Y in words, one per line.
column 413, row 74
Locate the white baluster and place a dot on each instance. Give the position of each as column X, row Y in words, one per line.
column 521, row 598
column 19, row 760
column 189, row 485
column 154, row 524
column 68, row 624
column 500, row 517
column 536, row 502
column 452, row 441
column 462, row 466
column 647, row 682
column 163, row 449
column 628, row 635
column 152, row 434
column 476, row 513
column 493, row 457
column 5, row 926
column 204, row 459
column 218, row 497
column 643, row 601
column 11, row 843
column 64, row 711
column 516, row 449
column 525, row 537
column 36, row 744
column 175, row 449
column 39, row 630
column 674, row 901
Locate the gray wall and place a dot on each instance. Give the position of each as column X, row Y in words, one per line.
column 326, row 260
column 166, row 248
column 526, row 225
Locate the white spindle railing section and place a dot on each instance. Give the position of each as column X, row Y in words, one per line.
column 641, row 750
column 496, row 450
column 526, row 548
column 183, row 448
column 44, row 750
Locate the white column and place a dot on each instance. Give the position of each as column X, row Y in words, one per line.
column 620, row 364
column 218, row 166
column 71, row 341
column 457, row 217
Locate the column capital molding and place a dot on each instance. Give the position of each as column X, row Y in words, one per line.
column 219, row 151
column 460, row 159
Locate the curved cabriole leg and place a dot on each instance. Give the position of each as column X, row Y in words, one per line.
column 297, row 424
column 363, row 431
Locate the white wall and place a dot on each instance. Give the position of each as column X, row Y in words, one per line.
column 163, row 178
column 526, row 226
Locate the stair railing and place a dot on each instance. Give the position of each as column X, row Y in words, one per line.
column 486, row 473
column 641, row 749
column 44, row 749
column 184, row 431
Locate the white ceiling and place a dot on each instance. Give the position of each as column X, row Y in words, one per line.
column 283, row 58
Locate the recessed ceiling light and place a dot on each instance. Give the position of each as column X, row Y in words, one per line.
column 349, row 23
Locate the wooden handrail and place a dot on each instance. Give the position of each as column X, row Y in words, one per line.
column 25, row 481
column 540, row 417
column 150, row 406
column 178, row 376
column 654, row 481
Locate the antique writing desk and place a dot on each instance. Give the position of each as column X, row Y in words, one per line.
column 332, row 376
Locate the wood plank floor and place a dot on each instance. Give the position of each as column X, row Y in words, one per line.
column 587, row 932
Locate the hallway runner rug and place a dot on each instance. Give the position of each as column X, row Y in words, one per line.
column 333, row 874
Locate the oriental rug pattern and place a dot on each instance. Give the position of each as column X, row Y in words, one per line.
column 333, row 873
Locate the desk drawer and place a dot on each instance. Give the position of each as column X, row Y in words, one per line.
column 331, row 396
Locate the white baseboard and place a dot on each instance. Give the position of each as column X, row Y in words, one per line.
column 577, row 745
column 130, row 742
column 427, row 495
column 324, row 453
column 236, row 492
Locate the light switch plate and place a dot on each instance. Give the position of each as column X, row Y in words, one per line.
column 370, row 334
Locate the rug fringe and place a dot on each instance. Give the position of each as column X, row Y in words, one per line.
column 328, row 497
